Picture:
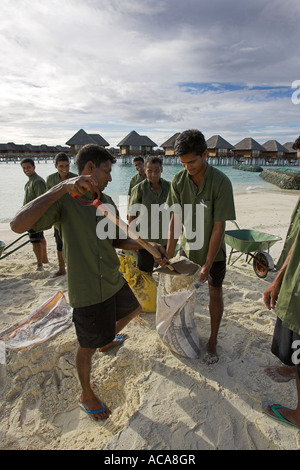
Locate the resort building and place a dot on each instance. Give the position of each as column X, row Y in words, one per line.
column 134, row 144
column 81, row 138
column 248, row 151
column 274, row 151
column 15, row 152
column 168, row 145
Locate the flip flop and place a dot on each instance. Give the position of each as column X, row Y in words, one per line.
column 278, row 416
column 91, row 412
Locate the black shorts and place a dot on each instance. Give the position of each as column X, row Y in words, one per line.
column 96, row 325
column 286, row 345
column 35, row 237
column 58, row 240
column 217, row 274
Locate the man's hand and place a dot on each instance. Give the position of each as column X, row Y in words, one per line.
column 164, row 257
column 80, row 185
column 271, row 294
column 204, row 273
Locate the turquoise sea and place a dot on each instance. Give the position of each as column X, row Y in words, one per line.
column 13, row 180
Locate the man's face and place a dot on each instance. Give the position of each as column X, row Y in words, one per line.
column 28, row 169
column 102, row 174
column 63, row 169
column 153, row 172
column 139, row 166
column 193, row 163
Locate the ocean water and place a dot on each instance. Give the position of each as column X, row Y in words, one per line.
column 13, row 180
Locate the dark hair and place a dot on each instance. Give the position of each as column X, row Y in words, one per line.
column 153, row 159
column 94, row 153
column 61, row 157
column 190, row 141
column 27, row 160
column 138, row 159
column 296, row 144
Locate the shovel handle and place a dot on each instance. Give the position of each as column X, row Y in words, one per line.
column 123, row 226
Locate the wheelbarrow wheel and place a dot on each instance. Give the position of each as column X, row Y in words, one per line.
column 262, row 264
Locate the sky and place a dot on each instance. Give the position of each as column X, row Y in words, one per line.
column 226, row 67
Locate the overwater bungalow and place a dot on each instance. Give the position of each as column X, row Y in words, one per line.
column 274, row 152
column 248, row 151
column 81, row 138
column 134, row 144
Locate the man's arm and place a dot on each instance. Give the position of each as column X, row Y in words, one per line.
column 213, row 248
column 272, row 292
column 173, row 238
column 34, row 210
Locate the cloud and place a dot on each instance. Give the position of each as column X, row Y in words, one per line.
column 156, row 66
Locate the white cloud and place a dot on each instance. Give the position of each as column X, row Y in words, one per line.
column 115, row 65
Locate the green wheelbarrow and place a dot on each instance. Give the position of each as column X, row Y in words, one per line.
column 255, row 245
column 4, row 247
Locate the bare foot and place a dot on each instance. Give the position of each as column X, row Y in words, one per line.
column 117, row 341
column 60, row 273
column 211, row 356
column 281, row 373
column 95, row 408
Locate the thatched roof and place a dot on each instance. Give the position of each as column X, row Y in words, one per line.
column 217, row 142
column 133, row 138
column 274, row 146
column 171, row 141
column 248, row 144
column 82, row 138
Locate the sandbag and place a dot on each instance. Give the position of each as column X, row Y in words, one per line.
column 42, row 324
column 143, row 286
column 175, row 314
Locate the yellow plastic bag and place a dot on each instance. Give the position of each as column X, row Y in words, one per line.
column 142, row 285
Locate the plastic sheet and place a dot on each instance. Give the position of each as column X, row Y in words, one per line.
column 42, row 324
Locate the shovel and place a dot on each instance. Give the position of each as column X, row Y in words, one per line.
column 177, row 267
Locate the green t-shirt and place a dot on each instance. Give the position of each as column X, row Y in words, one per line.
column 213, row 202
column 54, row 179
column 288, row 302
column 136, row 179
column 291, row 234
column 93, row 265
column 34, row 188
column 151, row 219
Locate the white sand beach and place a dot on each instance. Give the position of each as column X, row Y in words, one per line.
column 159, row 401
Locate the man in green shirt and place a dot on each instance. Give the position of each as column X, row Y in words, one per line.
column 147, row 197
column 283, row 294
column 140, row 176
column 205, row 198
column 103, row 304
column 62, row 164
column 34, row 187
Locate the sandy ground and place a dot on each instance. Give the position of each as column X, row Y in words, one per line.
column 159, row 400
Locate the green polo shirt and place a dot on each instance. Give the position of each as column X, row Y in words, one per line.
column 291, row 234
column 288, row 302
column 136, row 179
column 93, row 265
column 34, row 188
column 213, row 202
column 151, row 218
column 54, row 179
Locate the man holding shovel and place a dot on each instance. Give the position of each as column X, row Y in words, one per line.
column 102, row 301
column 207, row 191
